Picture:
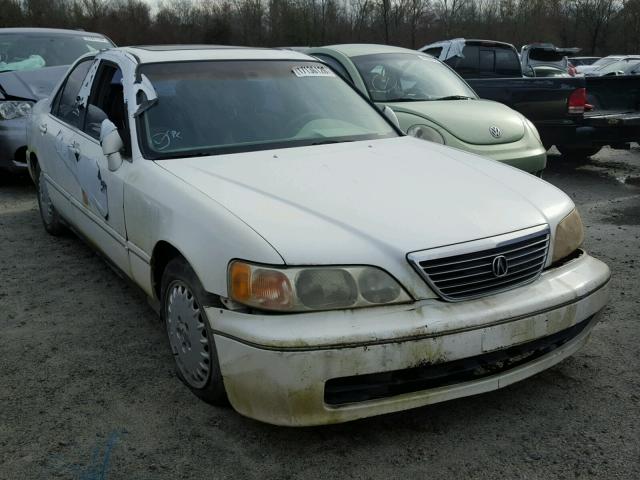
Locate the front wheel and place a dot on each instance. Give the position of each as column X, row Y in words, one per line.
column 577, row 154
column 50, row 218
column 190, row 336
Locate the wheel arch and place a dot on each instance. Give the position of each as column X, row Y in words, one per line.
column 163, row 253
column 32, row 165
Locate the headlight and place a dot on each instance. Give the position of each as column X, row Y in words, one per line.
column 312, row 288
column 424, row 132
column 569, row 236
column 12, row 109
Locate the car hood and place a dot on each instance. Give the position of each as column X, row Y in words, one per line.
column 367, row 202
column 361, row 202
column 469, row 120
column 31, row 84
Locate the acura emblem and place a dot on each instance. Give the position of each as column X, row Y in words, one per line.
column 495, row 132
column 500, row 266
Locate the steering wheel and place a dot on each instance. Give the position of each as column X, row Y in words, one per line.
column 385, row 81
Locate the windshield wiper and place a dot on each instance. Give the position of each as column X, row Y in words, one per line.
column 186, row 154
column 453, row 97
column 404, row 99
column 326, row 142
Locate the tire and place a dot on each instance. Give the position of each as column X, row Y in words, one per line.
column 190, row 338
column 577, row 154
column 50, row 218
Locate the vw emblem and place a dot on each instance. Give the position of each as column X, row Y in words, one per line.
column 495, row 132
column 500, row 266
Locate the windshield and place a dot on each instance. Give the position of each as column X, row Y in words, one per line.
column 28, row 51
column 604, row 61
column 216, row 107
column 619, row 66
column 409, row 77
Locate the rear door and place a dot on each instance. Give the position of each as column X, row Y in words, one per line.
column 56, row 143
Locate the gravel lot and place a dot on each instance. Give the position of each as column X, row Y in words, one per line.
column 88, row 389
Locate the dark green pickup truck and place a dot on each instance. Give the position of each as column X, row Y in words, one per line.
column 579, row 115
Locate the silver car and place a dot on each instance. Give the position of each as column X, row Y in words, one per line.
column 32, row 62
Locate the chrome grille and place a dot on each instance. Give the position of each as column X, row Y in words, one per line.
column 472, row 270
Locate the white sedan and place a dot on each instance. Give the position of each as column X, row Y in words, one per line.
column 312, row 265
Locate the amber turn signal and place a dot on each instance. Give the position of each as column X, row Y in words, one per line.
column 260, row 287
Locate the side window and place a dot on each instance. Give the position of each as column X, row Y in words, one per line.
column 335, row 64
column 65, row 106
column 434, row 52
column 107, row 102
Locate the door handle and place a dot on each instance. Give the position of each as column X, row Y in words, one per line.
column 75, row 149
column 43, row 128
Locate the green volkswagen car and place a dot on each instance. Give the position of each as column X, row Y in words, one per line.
column 434, row 103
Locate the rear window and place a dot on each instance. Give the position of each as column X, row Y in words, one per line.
column 541, row 55
column 434, row 52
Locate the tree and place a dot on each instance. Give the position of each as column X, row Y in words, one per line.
column 448, row 12
column 596, row 15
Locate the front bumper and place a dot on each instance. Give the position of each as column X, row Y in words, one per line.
column 532, row 161
column 13, row 144
column 276, row 368
column 527, row 154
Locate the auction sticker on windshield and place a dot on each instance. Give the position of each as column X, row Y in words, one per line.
column 312, row 71
column 96, row 39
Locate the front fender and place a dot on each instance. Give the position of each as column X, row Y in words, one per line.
column 161, row 207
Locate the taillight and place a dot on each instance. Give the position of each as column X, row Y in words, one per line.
column 578, row 101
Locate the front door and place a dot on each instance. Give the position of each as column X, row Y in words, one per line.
column 101, row 192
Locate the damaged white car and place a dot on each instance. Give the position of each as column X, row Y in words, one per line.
column 311, row 264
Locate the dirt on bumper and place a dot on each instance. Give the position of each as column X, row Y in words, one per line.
column 285, row 385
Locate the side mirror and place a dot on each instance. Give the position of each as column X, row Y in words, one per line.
column 391, row 115
column 111, row 144
column 529, row 71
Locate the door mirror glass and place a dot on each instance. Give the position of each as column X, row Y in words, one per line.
column 93, row 123
column 111, row 143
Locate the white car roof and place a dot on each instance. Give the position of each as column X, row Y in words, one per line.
column 177, row 53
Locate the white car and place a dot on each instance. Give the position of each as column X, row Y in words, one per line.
column 588, row 70
column 311, row 263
